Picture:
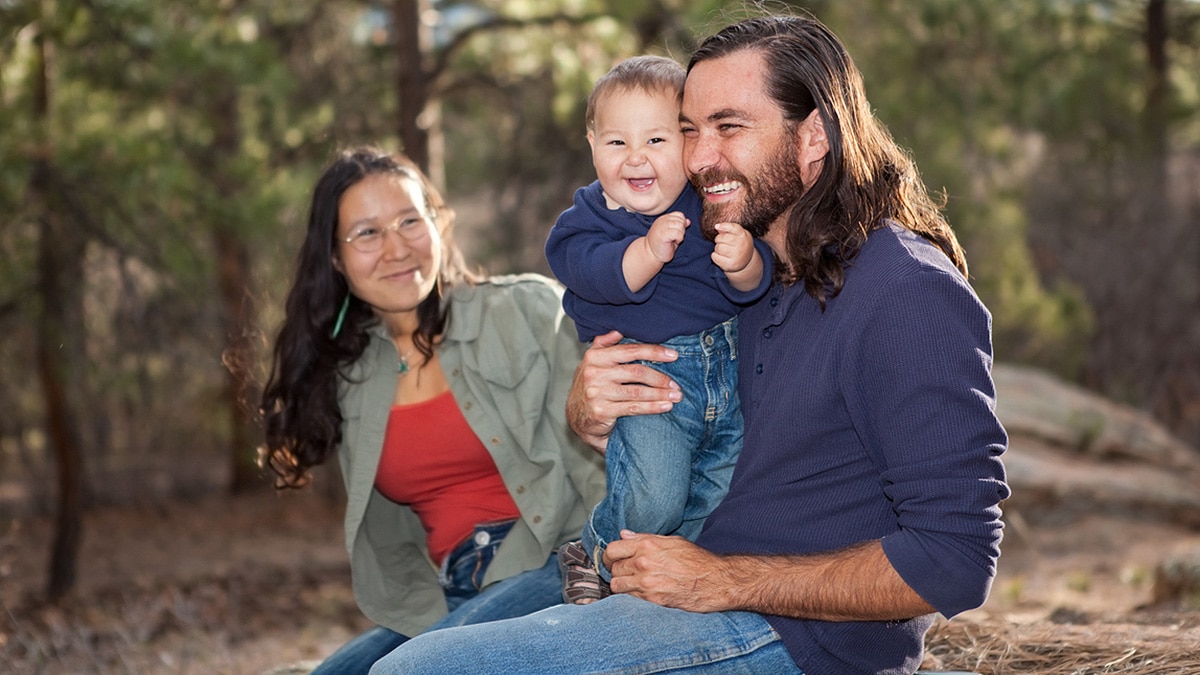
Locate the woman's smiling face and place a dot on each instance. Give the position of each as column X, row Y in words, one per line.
column 396, row 278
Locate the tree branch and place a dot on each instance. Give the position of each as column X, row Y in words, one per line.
column 443, row 56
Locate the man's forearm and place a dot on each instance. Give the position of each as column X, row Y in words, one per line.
column 857, row 583
column 853, row 584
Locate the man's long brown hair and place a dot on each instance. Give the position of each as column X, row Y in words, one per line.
column 866, row 179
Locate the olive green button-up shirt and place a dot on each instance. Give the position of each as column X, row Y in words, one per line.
column 509, row 354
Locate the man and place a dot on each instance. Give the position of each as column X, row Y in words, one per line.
column 867, row 494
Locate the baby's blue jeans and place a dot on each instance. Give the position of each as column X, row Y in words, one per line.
column 667, row 472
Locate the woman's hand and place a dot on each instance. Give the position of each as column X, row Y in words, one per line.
column 607, row 386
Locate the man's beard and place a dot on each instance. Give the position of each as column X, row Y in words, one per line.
column 774, row 189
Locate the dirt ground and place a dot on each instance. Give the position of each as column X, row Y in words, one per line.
column 244, row 585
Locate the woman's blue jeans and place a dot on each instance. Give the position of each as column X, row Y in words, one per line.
column 522, row 594
column 667, row 472
column 461, row 574
column 620, row 634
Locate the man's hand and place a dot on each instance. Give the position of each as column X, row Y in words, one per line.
column 607, row 386
column 668, row 571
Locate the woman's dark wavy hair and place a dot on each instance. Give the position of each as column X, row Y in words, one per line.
column 866, row 178
column 299, row 407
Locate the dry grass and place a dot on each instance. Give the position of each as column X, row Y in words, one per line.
column 240, row 586
column 217, row 585
column 240, row 625
column 237, row 624
column 1170, row 645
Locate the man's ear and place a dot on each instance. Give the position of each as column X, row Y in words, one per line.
column 591, row 136
column 812, row 142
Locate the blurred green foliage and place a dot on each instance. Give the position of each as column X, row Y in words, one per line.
column 171, row 122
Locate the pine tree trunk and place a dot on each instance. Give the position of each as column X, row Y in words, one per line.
column 235, row 287
column 412, row 83
column 60, row 350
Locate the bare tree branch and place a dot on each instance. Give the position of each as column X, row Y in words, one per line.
column 499, row 23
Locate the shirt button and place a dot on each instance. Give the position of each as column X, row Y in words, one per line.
column 520, row 489
column 482, row 538
column 467, row 405
column 495, row 440
column 767, row 332
column 455, row 372
column 758, row 369
column 537, row 519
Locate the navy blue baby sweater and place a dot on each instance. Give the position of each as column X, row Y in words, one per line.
column 689, row 295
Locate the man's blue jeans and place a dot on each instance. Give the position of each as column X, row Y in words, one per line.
column 620, row 634
column 667, row 472
column 516, row 596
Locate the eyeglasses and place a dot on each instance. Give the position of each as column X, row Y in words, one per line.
column 369, row 238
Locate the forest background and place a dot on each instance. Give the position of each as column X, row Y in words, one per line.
column 156, row 158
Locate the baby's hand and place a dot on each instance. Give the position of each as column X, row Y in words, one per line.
column 665, row 235
column 734, row 250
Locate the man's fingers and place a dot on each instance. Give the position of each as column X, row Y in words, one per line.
column 609, row 339
column 615, row 366
column 630, row 400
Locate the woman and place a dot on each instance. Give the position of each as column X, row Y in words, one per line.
column 444, row 395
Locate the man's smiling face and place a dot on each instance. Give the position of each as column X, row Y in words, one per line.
column 739, row 151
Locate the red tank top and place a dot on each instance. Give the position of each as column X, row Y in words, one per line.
column 433, row 462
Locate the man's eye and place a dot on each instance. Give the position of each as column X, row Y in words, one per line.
column 408, row 222
column 366, row 232
column 656, row 139
column 616, row 142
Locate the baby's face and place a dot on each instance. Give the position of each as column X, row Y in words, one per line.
column 637, row 150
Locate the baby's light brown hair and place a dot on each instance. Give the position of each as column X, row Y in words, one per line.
column 651, row 74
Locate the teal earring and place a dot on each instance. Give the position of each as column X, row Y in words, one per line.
column 337, row 325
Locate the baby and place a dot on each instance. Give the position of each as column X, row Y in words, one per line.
column 632, row 262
